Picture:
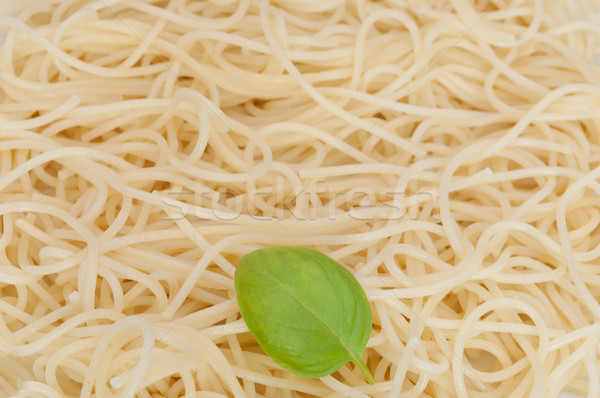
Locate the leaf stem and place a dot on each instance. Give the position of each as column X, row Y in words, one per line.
column 365, row 371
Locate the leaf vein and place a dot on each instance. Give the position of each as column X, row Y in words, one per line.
column 340, row 304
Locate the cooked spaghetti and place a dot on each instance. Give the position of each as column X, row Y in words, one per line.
column 446, row 152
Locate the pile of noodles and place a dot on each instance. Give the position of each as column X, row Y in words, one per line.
column 445, row 152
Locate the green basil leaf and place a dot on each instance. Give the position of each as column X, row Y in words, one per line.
column 306, row 311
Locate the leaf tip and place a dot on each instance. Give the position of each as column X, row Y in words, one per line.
column 365, row 371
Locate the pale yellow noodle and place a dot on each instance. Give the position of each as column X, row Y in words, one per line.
column 447, row 153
